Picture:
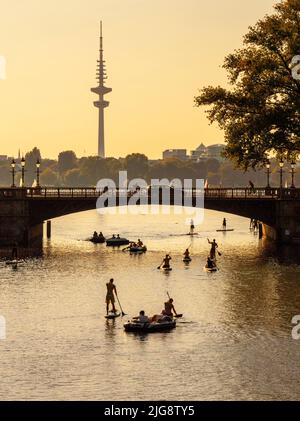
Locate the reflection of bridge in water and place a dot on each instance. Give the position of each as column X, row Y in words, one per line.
column 23, row 210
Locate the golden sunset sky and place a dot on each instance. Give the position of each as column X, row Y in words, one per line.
column 158, row 54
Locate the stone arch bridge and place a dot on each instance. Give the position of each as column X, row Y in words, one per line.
column 24, row 210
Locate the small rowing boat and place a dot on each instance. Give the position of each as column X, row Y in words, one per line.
column 138, row 249
column 159, row 326
column 116, row 242
column 100, row 240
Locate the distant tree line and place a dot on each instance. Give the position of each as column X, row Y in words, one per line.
column 70, row 171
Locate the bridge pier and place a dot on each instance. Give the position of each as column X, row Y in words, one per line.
column 287, row 226
column 18, row 228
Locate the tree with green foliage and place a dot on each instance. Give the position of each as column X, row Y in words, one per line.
column 136, row 165
column 260, row 113
column 31, row 159
column 67, row 160
column 49, row 178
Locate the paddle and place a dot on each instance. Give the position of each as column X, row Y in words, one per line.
column 123, row 314
column 177, row 316
column 160, row 265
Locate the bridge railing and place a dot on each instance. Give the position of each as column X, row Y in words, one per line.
column 211, row 193
column 92, row 192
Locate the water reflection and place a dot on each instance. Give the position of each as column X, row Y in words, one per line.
column 232, row 343
column 283, row 253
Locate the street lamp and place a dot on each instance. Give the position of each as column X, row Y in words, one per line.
column 268, row 166
column 23, row 172
column 293, row 166
column 38, row 164
column 281, row 165
column 13, row 172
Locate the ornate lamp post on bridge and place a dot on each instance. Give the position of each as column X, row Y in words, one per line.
column 38, row 165
column 293, row 166
column 281, row 165
column 268, row 166
column 23, row 172
column 13, row 172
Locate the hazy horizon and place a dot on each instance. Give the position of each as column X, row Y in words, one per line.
column 158, row 55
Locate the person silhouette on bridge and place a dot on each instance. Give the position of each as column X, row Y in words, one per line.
column 14, row 253
column 252, row 188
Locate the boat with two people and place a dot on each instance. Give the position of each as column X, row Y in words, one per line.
column 137, row 247
column 161, row 324
column 97, row 238
column 117, row 241
column 158, row 323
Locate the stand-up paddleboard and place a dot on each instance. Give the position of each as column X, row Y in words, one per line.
column 111, row 315
column 210, row 270
column 14, row 262
column 226, row 230
column 166, row 269
column 187, row 260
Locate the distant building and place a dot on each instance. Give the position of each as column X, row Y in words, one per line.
column 215, row 151
column 199, row 153
column 3, row 157
column 175, row 153
column 203, row 152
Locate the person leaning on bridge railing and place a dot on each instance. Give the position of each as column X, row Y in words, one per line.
column 252, row 187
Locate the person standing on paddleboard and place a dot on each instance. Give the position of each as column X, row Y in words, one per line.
column 213, row 249
column 224, row 224
column 192, row 227
column 110, row 297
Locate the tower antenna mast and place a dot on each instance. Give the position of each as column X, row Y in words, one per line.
column 101, row 90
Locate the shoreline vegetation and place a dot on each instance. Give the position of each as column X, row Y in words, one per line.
column 70, row 171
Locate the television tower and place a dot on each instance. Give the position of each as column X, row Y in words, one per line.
column 101, row 90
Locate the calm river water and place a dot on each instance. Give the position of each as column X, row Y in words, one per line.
column 234, row 341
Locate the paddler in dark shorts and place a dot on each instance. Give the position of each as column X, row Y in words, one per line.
column 110, row 297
